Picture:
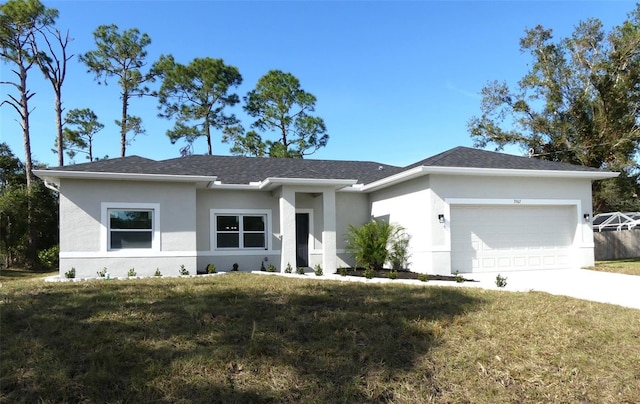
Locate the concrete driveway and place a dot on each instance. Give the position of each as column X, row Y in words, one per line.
column 605, row 287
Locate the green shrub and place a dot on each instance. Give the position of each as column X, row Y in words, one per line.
column 423, row 277
column 288, row 269
column 318, row 270
column 271, row 268
column 399, row 251
column 235, row 267
column 300, row 270
column 393, row 274
column 49, row 258
column 157, row 273
column 70, row 274
column 370, row 244
column 501, row 281
column 343, row 271
column 183, row 271
column 132, row 272
column 458, row 277
column 369, row 273
column 211, row 269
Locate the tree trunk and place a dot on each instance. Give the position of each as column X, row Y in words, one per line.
column 58, row 108
column 28, row 166
column 24, row 105
column 207, row 130
column 123, row 124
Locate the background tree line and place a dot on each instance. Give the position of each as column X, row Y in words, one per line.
column 579, row 103
column 196, row 96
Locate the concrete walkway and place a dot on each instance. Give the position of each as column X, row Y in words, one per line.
column 596, row 286
column 604, row 287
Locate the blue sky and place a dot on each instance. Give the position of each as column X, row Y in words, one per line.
column 395, row 81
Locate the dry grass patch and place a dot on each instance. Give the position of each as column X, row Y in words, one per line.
column 19, row 274
column 630, row 266
column 251, row 338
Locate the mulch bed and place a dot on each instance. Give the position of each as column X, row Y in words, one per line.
column 384, row 273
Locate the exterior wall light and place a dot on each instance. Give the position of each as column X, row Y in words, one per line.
column 441, row 218
column 586, row 217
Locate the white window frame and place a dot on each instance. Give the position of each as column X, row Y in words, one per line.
column 106, row 229
column 239, row 212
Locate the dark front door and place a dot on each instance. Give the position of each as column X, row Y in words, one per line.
column 302, row 239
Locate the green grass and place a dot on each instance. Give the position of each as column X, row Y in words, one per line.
column 13, row 274
column 252, row 338
column 630, row 266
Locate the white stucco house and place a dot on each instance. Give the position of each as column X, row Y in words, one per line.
column 465, row 209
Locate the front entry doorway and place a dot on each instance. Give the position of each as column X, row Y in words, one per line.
column 302, row 240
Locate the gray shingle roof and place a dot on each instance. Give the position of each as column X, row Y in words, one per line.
column 476, row 158
column 243, row 170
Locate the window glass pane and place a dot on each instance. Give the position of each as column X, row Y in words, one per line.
column 252, row 240
column 253, row 223
column 130, row 219
column 228, row 240
column 227, row 223
column 130, row 239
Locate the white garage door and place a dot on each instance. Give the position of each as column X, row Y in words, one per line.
column 507, row 238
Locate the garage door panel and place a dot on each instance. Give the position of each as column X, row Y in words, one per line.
column 504, row 262
column 490, row 238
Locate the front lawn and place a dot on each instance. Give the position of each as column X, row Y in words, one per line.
column 253, row 338
column 13, row 274
column 630, row 266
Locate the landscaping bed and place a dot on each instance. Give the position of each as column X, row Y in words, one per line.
column 404, row 274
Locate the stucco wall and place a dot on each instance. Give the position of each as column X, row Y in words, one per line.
column 249, row 260
column 82, row 242
column 516, row 189
column 409, row 205
column 351, row 208
column 416, row 204
column 451, row 186
column 207, row 199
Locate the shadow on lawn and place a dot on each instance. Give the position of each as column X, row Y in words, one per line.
column 213, row 341
column 8, row 274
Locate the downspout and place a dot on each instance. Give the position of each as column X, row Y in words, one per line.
column 51, row 185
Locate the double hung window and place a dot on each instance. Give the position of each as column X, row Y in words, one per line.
column 130, row 228
column 241, row 231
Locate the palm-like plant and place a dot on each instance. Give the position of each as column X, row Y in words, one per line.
column 370, row 243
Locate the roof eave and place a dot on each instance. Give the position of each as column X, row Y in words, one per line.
column 54, row 176
column 273, row 182
column 514, row 172
column 394, row 179
column 500, row 172
column 252, row 186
